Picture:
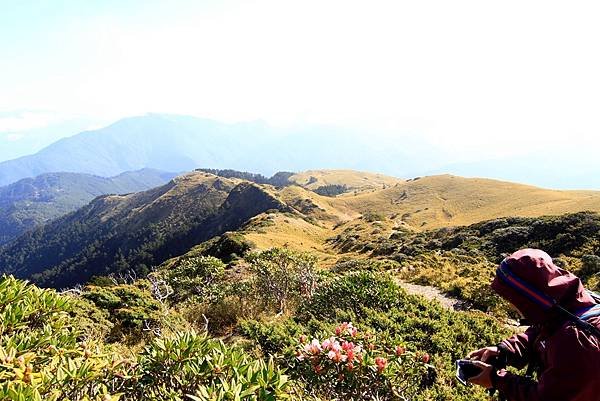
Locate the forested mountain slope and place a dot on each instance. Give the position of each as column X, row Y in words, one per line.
column 31, row 202
column 137, row 231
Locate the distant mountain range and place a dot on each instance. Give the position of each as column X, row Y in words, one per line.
column 182, row 143
column 31, row 202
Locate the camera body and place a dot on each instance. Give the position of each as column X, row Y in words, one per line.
column 466, row 369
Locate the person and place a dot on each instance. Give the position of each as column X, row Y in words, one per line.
column 558, row 346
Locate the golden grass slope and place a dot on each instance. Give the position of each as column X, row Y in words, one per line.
column 421, row 204
column 418, row 204
column 446, row 200
column 354, row 180
column 183, row 191
column 294, row 233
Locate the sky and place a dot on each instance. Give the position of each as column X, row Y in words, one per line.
column 477, row 80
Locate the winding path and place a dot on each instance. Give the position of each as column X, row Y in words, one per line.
column 432, row 293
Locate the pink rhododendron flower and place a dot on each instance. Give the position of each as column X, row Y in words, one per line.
column 400, row 350
column 350, row 355
column 336, row 356
column 425, row 358
column 328, row 343
column 346, row 328
column 313, row 348
column 381, row 364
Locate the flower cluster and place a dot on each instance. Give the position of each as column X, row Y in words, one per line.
column 346, row 329
column 342, row 350
column 350, row 362
column 333, row 349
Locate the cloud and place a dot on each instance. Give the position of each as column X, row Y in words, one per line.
column 15, row 123
column 13, row 137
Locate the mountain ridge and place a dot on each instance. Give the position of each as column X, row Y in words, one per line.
column 141, row 230
column 117, row 232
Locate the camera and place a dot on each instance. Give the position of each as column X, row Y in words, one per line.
column 466, row 369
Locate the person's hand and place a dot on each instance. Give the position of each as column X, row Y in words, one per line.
column 483, row 379
column 484, row 354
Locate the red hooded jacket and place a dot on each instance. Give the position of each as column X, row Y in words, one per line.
column 567, row 358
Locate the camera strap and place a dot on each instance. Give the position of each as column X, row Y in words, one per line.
column 538, row 297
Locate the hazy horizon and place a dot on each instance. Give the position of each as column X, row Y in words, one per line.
column 504, row 91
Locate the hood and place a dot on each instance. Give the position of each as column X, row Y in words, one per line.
column 534, row 283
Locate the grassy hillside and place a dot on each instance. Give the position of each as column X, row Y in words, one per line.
column 343, row 181
column 442, row 201
column 352, row 180
column 418, row 205
column 462, row 260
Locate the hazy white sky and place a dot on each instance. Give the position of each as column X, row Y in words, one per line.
column 477, row 78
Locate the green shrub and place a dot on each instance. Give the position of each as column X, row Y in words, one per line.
column 389, row 316
column 192, row 364
column 42, row 355
column 352, row 293
column 130, row 308
column 196, row 278
column 373, row 216
column 331, row 190
column 228, row 247
column 281, row 276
